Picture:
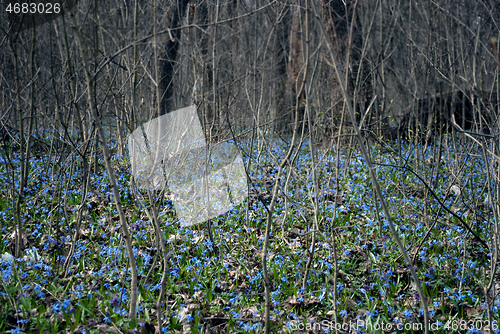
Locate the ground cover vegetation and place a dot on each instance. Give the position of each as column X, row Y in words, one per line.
column 218, row 286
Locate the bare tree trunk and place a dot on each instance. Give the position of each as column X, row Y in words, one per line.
column 373, row 176
column 296, row 62
column 24, row 139
column 282, row 110
column 116, row 194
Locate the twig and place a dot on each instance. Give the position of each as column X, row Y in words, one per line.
column 467, row 227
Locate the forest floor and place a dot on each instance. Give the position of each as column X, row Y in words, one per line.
column 217, row 287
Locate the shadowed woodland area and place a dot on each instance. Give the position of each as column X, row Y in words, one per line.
column 369, row 135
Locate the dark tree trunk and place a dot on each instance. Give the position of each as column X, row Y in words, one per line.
column 339, row 15
column 296, row 65
column 282, row 49
column 168, row 58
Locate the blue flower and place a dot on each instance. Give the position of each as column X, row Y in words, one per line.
column 115, row 300
column 407, row 314
column 373, row 314
column 236, row 315
column 56, row 308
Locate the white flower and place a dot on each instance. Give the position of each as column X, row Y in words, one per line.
column 7, row 257
column 455, row 190
column 32, row 256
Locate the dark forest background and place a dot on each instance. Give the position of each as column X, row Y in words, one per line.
column 242, row 62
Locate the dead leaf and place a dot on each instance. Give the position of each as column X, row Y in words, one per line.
column 199, row 295
column 105, row 329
